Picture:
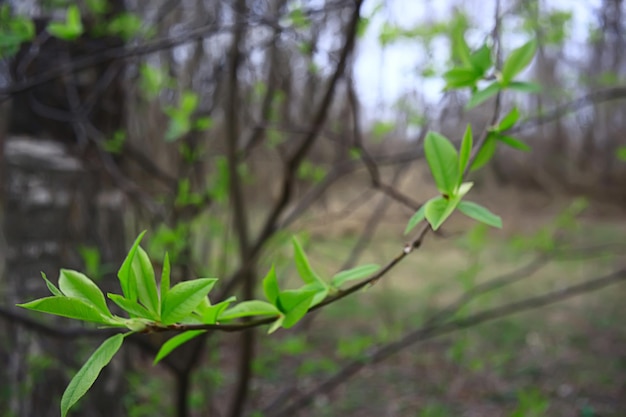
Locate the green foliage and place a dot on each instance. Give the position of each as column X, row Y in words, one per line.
column 125, row 25
column 69, row 30
column 14, row 30
column 621, row 153
column 447, row 167
column 531, row 403
column 86, row 376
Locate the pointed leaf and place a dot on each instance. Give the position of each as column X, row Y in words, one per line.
column 76, row 285
column 481, row 96
column 353, row 274
column 165, row 280
column 53, row 289
column 146, row 281
column 210, row 314
column 86, row 376
column 320, row 290
column 518, row 60
column 485, row 153
column 436, row 212
column 294, row 304
column 524, row 87
column 514, row 143
column 461, row 77
column 250, row 308
column 415, row 219
column 302, row 263
column 270, row 286
column 443, row 162
column 184, row 297
column 133, row 308
column 175, row 342
column 480, row 213
column 276, row 324
column 73, row 308
column 481, row 59
column 129, row 286
column 509, row 120
column 466, row 150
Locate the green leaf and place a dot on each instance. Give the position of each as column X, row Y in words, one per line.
column 524, row 87
column 480, row 213
column 461, row 77
column 71, row 29
column 443, row 162
column 435, row 212
column 481, row 96
column 76, row 285
column 270, row 286
column 466, row 151
column 86, row 376
column 621, row 153
column 509, row 120
column 175, row 342
column 353, row 274
column 165, row 280
column 415, row 219
column 146, row 282
column 302, row 264
column 73, row 308
column 250, row 308
column 277, row 324
column 481, row 60
column 518, row 60
column 485, row 153
column 53, row 289
column 129, row 286
column 210, row 313
column 184, row 297
column 513, row 143
column 133, row 308
column 294, row 304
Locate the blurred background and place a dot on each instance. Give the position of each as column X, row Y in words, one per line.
column 224, row 128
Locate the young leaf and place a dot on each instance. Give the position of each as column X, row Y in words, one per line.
column 485, row 153
column 480, row 213
column 86, row 376
column 436, row 212
column 443, row 162
column 466, row 151
column 133, row 308
column 461, row 77
column 71, row 29
column 302, row 264
column 250, row 308
column 73, row 308
column 518, row 60
column 53, row 289
column 209, row 314
column 294, row 304
column 165, row 279
column 353, row 274
column 146, row 282
column 277, row 324
column 184, row 297
column 175, row 342
column 524, row 87
column 514, row 143
column 481, row 96
column 417, row 217
column 320, row 290
column 76, row 285
column 270, row 286
column 509, row 120
column 481, row 60
column 129, row 286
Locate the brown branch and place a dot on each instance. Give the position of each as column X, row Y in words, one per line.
column 430, row 332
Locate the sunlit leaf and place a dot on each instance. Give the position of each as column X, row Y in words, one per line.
column 72, row 308
column 518, row 60
column 480, row 213
column 443, row 162
column 353, row 274
column 184, row 297
column 485, row 153
column 250, row 308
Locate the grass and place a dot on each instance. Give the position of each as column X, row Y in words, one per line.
column 563, row 360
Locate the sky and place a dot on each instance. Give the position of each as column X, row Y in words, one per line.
column 384, row 74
